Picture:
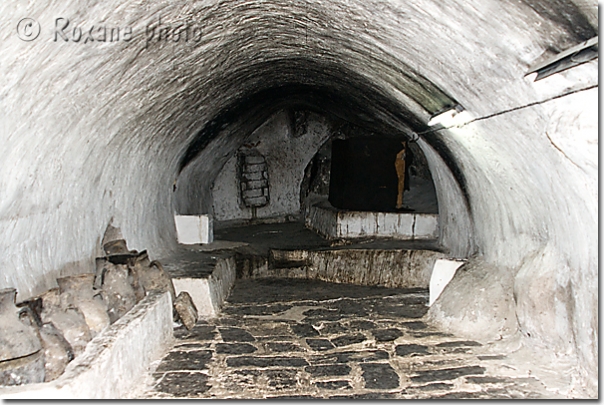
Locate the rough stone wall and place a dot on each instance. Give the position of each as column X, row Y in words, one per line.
column 286, row 156
column 95, row 131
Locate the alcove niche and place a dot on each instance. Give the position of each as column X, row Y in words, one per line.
column 339, row 179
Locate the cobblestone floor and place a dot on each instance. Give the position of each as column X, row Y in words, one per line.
column 290, row 338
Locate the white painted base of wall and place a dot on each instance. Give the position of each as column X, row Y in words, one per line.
column 209, row 294
column 115, row 361
column 442, row 274
column 194, row 229
column 336, row 224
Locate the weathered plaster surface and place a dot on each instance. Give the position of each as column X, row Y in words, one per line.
column 540, row 222
column 286, row 156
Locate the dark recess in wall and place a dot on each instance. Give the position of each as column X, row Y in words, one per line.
column 363, row 175
column 332, row 90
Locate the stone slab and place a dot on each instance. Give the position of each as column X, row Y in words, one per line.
column 394, row 268
column 194, row 229
column 209, row 291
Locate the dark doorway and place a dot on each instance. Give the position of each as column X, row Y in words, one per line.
column 363, row 174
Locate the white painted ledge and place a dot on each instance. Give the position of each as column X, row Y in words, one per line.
column 194, row 229
column 209, row 293
column 392, row 268
column 115, row 361
column 335, row 224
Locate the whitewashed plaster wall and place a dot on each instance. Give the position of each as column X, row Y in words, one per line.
column 97, row 131
column 286, row 156
column 545, row 286
column 454, row 217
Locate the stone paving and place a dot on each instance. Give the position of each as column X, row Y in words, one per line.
column 292, row 338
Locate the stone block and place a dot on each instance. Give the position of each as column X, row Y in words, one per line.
column 187, row 312
column 210, row 292
column 380, row 376
column 194, row 229
column 319, row 344
column 333, row 224
column 443, row 272
column 426, row 226
column 257, row 168
column 328, row 370
column 478, row 303
column 236, row 335
column 334, row 385
column 235, row 348
column 411, row 349
column 256, row 201
column 254, row 159
column 387, row 335
column 252, row 176
column 252, row 193
column 254, row 184
column 348, row 340
column 260, row 361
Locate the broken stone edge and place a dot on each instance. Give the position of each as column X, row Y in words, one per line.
column 209, row 294
column 111, row 366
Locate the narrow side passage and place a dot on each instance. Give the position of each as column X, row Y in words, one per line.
column 302, row 339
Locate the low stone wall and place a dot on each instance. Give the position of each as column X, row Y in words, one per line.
column 336, row 224
column 399, row 268
column 115, row 360
column 209, row 292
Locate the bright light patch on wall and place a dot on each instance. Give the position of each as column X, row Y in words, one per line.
column 442, row 274
column 451, row 117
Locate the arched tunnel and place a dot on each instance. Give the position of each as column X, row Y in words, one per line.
column 133, row 129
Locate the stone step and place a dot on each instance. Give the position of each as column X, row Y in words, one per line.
column 397, row 268
column 207, row 276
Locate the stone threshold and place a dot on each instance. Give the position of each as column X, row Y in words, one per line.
column 114, row 361
column 393, row 268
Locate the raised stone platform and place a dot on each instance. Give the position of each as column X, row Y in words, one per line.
column 207, row 272
column 333, row 223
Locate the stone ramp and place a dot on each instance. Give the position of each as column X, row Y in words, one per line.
column 291, row 338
